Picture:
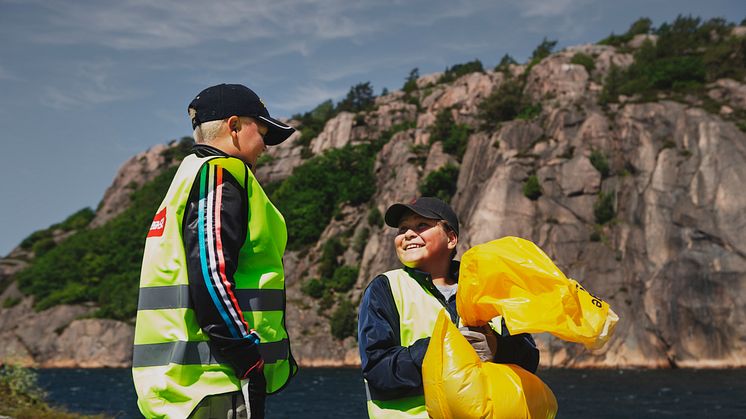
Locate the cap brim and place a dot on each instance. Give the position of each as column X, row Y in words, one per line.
column 395, row 212
column 277, row 132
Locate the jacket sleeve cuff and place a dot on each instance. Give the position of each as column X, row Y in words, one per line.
column 242, row 354
column 417, row 351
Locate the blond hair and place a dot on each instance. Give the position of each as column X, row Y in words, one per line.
column 208, row 131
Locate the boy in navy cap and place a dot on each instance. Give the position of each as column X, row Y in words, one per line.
column 399, row 309
column 210, row 337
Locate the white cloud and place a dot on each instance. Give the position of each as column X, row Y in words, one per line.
column 83, row 96
column 305, row 97
column 138, row 24
column 163, row 24
column 333, row 71
column 430, row 13
column 57, row 99
column 134, row 24
column 467, row 47
column 251, row 57
column 362, row 65
column 559, row 19
column 549, row 8
column 94, row 84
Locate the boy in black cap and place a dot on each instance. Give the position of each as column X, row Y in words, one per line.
column 210, row 336
column 399, row 309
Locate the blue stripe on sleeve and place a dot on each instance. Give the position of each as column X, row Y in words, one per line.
column 203, row 254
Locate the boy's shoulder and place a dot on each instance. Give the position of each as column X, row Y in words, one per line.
column 230, row 167
column 379, row 281
column 378, row 287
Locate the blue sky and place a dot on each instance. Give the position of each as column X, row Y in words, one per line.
column 87, row 84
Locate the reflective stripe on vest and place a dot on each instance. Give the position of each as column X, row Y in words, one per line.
column 418, row 309
column 174, row 367
column 196, row 353
column 157, row 298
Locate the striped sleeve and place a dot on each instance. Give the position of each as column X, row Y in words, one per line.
column 214, row 230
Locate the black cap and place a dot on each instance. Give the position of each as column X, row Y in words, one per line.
column 225, row 100
column 425, row 206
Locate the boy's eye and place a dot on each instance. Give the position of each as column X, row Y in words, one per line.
column 418, row 228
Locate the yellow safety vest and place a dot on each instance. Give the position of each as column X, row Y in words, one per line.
column 418, row 310
column 173, row 366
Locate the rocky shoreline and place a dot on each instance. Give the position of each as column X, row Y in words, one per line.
column 61, row 337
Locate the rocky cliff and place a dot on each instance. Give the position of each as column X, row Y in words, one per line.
column 641, row 201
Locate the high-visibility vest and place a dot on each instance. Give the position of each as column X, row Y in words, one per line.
column 418, row 310
column 174, row 367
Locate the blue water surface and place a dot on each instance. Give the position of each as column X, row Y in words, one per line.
column 339, row 393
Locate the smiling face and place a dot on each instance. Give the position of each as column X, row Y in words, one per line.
column 424, row 243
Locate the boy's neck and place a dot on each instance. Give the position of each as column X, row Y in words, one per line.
column 439, row 275
column 442, row 280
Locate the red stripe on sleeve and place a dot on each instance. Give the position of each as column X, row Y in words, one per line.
column 219, row 244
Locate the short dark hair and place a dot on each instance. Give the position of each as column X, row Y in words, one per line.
column 447, row 227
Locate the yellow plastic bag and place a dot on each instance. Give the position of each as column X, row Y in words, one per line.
column 458, row 385
column 514, row 278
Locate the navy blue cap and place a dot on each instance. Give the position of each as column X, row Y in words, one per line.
column 425, row 206
column 225, row 100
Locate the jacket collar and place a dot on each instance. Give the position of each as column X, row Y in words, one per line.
column 204, row 150
column 453, row 274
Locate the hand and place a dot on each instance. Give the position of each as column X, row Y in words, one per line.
column 240, row 353
column 482, row 340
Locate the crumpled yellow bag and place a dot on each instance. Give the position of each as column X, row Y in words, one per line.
column 515, row 279
column 458, row 385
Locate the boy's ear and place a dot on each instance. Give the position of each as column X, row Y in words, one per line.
column 234, row 123
column 452, row 239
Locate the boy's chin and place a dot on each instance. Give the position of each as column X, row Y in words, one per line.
column 410, row 263
column 412, row 258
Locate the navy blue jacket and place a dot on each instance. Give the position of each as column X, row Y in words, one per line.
column 394, row 371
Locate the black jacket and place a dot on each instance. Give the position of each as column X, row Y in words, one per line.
column 394, row 371
column 237, row 349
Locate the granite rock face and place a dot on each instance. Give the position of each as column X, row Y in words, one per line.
column 134, row 173
column 308, row 326
column 59, row 337
column 95, row 343
column 336, row 133
column 668, row 254
column 670, row 264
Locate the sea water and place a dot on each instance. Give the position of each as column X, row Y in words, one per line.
column 339, row 393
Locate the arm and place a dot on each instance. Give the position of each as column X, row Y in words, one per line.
column 519, row 349
column 392, row 370
column 503, row 349
column 214, row 229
